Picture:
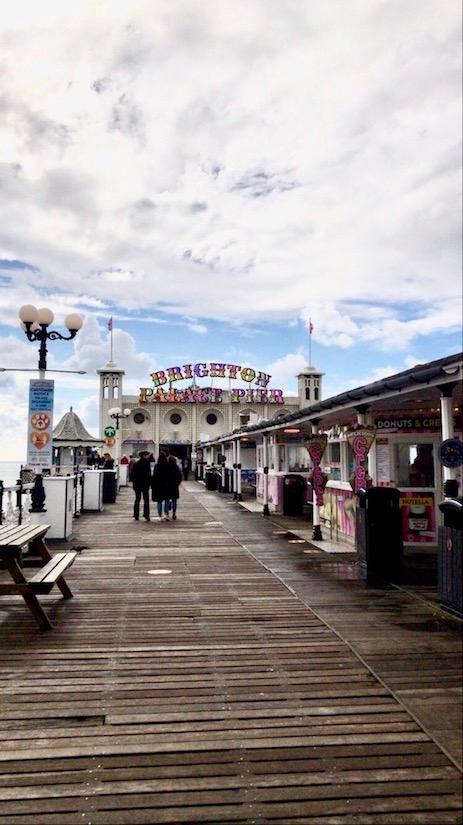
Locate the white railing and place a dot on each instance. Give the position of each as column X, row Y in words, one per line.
column 15, row 503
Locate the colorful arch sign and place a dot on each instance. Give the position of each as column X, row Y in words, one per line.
column 260, row 393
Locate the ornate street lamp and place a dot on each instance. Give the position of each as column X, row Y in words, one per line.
column 35, row 323
column 117, row 414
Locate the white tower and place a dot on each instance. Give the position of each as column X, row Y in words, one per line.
column 309, row 385
column 110, row 392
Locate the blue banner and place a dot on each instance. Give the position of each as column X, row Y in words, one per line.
column 40, row 424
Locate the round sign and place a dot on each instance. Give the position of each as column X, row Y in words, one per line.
column 109, row 432
column 40, row 421
column 451, row 453
column 110, row 442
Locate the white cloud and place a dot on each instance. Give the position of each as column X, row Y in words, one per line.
column 272, row 171
column 92, row 352
column 284, row 371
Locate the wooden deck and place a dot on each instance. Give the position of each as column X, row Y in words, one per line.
column 213, row 693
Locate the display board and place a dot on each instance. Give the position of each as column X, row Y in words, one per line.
column 40, row 424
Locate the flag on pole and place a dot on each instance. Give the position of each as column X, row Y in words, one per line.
column 110, row 328
column 310, row 327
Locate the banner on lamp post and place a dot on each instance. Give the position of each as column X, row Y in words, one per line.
column 316, row 446
column 360, row 438
column 40, row 424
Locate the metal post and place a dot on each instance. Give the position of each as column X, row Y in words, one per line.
column 235, row 491
column 316, row 532
column 1, row 502
column 43, row 348
column 238, row 470
column 19, row 493
column 446, row 406
column 266, row 511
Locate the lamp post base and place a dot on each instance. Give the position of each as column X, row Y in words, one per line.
column 266, row 511
column 317, row 533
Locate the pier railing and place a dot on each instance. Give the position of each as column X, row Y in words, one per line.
column 16, row 503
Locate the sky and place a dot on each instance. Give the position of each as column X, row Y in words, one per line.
column 212, row 174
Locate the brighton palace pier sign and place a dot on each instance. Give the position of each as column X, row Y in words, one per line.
column 259, row 393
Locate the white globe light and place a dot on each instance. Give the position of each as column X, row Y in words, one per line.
column 73, row 321
column 45, row 316
column 126, row 412
column 111, row 411
column 28, row 313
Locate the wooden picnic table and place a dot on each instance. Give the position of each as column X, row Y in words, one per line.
column 13, row 539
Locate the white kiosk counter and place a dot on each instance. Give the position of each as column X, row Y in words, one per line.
column 92, row 490
column 59, row 506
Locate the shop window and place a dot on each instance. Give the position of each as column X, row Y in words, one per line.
column 175, row 418
column 335, row 452
column 139, row 418
column 350, row 461
column 415, row 465
column 281, row 458
column 298, row 459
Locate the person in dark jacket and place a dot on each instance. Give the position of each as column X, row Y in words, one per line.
column 141, row 481
column 160, row 486
column 175, row 479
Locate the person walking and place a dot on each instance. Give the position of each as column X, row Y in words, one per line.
column 141, row 482
column 185, row 467
column 160, row 487
column 174, row 481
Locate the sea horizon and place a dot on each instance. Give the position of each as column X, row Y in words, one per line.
column 9, row 472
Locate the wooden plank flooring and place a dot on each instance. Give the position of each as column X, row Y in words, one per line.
column 212, row 693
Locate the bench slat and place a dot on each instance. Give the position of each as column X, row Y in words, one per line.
column 44, row 580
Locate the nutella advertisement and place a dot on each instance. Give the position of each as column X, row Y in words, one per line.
column 418, row 517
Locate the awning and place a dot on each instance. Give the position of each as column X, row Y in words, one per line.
column 139, row 441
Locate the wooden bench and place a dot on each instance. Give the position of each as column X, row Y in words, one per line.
column 12, row 541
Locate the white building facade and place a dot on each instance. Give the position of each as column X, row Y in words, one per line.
column 174, row 412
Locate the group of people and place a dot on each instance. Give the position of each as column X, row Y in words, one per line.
column 162, row 481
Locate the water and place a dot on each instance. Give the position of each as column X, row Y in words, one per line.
column 9, row 472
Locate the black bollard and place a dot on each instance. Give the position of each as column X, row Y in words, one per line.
column 38, row 495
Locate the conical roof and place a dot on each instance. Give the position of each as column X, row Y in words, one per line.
column 71, row 430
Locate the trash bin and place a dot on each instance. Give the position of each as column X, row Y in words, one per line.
column 450, row 568
column 378, row 539
column 211, row 479
column 226, row 484
column 109, row 486
column 294, row 493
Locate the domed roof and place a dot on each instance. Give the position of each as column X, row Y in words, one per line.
column 71, row 430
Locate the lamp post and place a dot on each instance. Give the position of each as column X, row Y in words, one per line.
column 35, row 323
column 117, row 415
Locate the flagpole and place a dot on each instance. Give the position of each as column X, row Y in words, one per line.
column 310, row 342
column 111, row 343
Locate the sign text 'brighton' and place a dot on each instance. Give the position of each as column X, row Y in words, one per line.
column 210, row 395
